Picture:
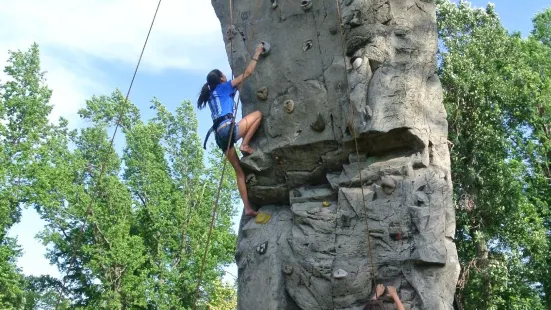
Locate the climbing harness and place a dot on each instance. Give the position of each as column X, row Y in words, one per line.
column 90, row 209
column 214, row 127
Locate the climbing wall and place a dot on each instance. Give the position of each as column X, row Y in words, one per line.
column 343, row 212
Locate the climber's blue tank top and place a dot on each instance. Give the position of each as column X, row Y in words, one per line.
column 221, row 100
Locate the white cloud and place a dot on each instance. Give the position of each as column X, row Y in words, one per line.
column 184, row 34
column 73, row 35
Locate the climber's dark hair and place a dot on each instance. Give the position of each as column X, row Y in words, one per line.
column 374, row 305
column 213, row 80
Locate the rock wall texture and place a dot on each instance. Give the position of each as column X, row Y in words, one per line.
column 313, row 253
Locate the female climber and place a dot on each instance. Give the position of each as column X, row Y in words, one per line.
column 218, row 92
column 376, row 304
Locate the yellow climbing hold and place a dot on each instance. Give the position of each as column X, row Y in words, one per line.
column 326, row 204
column 263, row 218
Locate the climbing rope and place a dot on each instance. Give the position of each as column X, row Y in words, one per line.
column 90, row 209
column 353, row 132
column 236, row 106
column 232, row 126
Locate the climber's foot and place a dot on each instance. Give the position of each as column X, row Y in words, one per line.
column 246, row 150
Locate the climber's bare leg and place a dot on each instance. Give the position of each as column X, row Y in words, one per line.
column 247, row 127
column 231, row 155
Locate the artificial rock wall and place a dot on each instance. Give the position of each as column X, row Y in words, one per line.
column 314, row 252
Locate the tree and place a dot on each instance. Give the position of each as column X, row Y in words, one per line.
column 24, row 107
column 538, row 143
column 134, row 238
column 490, row 87
column 43, row 293
column 126, row 232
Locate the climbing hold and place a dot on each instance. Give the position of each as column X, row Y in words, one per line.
column 356, row 19
column 262, row 93
column 326, row 204
column 234, row 30
column 396, row 236
column 261, row 249
column 356, row 62
column 388, row 184
column 262, row 218
column 287, row 269
column 307, row 45
column 395, row 231
column 333, row 30
column 339, row 274
column 368, row 111
column 267, row 48
column 306, row 4
column 251, row 179
column 289, row 105
column 319, row 124
column 231, row 32
column 274, row 4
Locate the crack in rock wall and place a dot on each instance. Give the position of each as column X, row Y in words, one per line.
column 313, row 252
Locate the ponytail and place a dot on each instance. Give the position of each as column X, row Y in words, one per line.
column 213, row 79
column 204, row 96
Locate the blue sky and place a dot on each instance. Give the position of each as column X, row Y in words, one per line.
column 91, row 46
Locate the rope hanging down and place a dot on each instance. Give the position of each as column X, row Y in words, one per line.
column 353, row 132
column 215, row 208
column 216, row 203
column 90, row 208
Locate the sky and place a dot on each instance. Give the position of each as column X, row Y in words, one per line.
column 91, row 47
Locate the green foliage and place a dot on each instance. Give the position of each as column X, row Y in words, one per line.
column 542, row 27
column 125, row 231
column 149, row 214
column 43, row 293
column 496, row 84
column 11, row 281
column 23, row 121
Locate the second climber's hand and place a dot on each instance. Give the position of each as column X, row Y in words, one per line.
column 391, row 292
column 379, row 290
column 259, row 50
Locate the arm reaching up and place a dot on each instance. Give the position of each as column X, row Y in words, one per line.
column 379, row 291
column 250, row 68
column 392, row 293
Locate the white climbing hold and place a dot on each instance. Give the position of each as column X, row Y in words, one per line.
column 339, row 274
column 357, row 63
column 289, row 105
column 388, row 184
column 267, row 48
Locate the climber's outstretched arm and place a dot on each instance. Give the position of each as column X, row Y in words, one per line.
column 250, row 68
column 392, row 293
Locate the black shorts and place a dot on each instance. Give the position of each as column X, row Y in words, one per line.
column 222, row 134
